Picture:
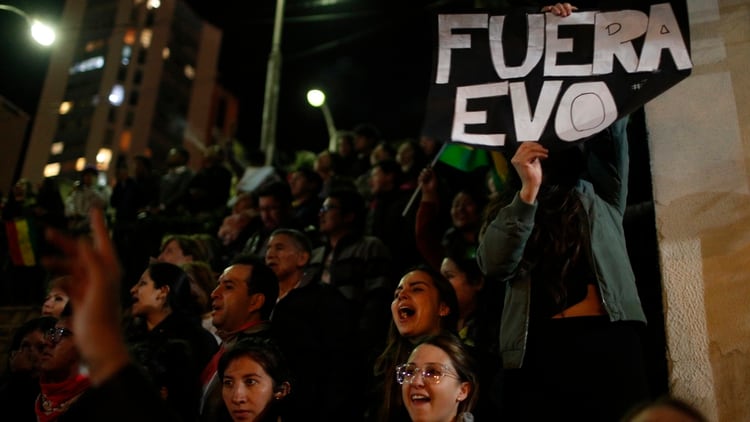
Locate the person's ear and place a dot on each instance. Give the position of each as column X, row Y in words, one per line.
column 444, row 310
column 303, row 258
column 256, row 301
column 463, row 392
column 480, row 286
column 282, row 391
column 163, row 292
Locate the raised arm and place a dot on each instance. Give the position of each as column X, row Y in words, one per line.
column 93, row 289
column 501, row 247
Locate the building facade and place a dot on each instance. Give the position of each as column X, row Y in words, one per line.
column 126, row 78
column 13, row 126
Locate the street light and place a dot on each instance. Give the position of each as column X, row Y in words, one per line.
column 317, row 98
column 42, row 33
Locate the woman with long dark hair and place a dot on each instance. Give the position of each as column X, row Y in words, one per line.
column 256, row 380
column 166, row 336
column 572, row 314
column 424, row 304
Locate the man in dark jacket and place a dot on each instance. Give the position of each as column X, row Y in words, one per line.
column 313, row 322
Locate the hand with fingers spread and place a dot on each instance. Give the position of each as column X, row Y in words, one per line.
column 93, row 289
column 527, row 162
column 560, row 9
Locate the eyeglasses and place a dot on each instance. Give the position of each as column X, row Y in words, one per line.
column 432, row 373
column 54, row 335
column 326, row 208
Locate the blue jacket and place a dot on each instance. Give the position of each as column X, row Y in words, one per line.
column 604, row 197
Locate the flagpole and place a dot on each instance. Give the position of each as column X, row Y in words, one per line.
column 419, row 187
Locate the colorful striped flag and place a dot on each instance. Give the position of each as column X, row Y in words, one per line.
column 21, row 242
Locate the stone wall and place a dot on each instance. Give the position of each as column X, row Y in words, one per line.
column 699, row 135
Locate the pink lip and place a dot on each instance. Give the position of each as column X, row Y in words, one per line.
column 241, row 414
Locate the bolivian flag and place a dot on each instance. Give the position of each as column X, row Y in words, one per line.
column 21, row 242
column 467, row 158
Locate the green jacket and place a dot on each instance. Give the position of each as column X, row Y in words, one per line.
column 604, row 197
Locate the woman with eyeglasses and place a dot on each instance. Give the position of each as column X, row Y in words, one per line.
column 424, row 304
column 255, row 381
column 61, row 381
column 438, row 382
column 166, row 337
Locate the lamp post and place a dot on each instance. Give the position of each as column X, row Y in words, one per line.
column 42, row 33
column 317, row 98
column 271, row 97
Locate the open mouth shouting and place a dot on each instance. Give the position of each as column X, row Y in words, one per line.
column 405, row 312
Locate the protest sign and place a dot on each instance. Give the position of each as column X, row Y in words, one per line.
column 502, row 79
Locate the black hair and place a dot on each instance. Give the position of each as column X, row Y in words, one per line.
column 42, row 323
column 179, row 299
column 262, row 280
column 279, row 190
column 367, row 130
column 398, row 348
column 389, row 166
column 265, row 351
column 311, row 176
column 350, row 201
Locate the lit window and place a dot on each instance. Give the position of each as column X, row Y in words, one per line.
column 189, row 71
column 65, row 107
column 51, row 169
column 125, row 140
column 127, row 51
column 146, row 35
column 103, row 158
column 94, row 45
column 57, row 148
column 129, row 37
column 153, row 4
column 165, row 53
column 117, row 95
column 91, row 63
column 80, row 163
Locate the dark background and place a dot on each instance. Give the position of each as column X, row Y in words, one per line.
column 372, row 58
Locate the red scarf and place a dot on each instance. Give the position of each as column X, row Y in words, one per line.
column 56, row 398
column 212, row 366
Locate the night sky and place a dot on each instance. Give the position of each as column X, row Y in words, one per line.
column 371, row 57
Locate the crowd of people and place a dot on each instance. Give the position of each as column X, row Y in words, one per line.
column 245, row 292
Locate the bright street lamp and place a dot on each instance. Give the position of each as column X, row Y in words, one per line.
column 317, row 98
column 42, row 33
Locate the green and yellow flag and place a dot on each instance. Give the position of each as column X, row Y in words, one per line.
column 468, row 158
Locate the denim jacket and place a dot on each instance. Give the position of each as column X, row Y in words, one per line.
column 604, row 197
